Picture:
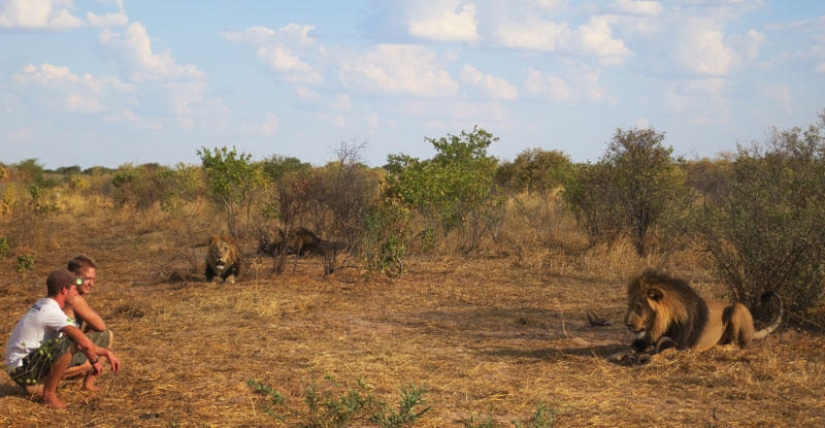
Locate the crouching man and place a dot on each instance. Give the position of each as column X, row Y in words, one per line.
column 40, row 350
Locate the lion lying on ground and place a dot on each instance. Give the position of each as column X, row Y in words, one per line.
column 666, row 312
column 223, row 261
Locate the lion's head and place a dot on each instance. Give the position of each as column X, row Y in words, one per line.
column 659, row 305
column 222, row 260
column 222, row 251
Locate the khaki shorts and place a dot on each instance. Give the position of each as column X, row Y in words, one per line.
column 36, row 365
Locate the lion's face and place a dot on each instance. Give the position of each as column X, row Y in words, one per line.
column 221, row 252
column 640, row 316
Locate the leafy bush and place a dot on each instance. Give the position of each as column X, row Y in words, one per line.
column 232, row 179
column 764, row 231
column 633, row 190
column 535, row 170
column 453, row 191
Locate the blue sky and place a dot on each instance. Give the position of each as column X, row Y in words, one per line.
column 110, row 82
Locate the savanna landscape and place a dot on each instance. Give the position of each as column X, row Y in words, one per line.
column 459, row 297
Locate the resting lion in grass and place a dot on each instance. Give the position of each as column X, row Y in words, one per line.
column 666, row 312
column 223, row 261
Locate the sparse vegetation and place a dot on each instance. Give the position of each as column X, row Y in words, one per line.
column 328, row 404
column 476, row 287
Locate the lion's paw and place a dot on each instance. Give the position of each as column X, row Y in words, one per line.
column 630, row 359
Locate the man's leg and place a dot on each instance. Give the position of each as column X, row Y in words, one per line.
column 52, row 379
column 101, row 339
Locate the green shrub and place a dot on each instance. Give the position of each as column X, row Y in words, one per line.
column 765, row 230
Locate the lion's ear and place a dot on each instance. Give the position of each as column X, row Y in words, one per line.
column 655, row 293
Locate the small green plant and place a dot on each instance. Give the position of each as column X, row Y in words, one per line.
column 487, row 422
column 412, row 397
column 328, row 406
column 543, row 418
column 4, row 247
column 25, row 261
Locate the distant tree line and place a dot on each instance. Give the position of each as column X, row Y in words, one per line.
column 756, row 212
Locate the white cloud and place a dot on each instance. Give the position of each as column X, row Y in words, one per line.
column 266, row 128
column 55, row 15
column 579, row 84
column 597, row 39
column 282, row 50
column 38, row 14
column 398, row 70
column 445, row 20
column 552, row 86
column 703, row 50
column 593, row 39
column 640, row 7
column 700, row 101
column 494, row 87
column 58, row 87
column 532, row 34
column 746, row 47
column 133, row 49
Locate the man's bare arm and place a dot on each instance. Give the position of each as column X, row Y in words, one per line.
column 85, row 312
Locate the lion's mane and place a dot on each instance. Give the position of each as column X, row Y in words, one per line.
column 666, row 307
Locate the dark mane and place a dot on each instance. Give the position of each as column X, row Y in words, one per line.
column 679, row 298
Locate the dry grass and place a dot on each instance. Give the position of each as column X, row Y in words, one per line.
column 492, row 337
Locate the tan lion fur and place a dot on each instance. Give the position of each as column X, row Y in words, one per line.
column 662, row 308
column 223, row 262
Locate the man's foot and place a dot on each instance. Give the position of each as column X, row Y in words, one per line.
column 89, row 383
column 52, row 401
column 34, row 389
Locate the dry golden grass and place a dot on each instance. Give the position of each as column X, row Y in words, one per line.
column 491, row 337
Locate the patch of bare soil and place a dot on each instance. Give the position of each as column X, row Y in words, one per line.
column 489, row 340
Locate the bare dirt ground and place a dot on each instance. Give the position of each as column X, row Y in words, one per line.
column 490, row 340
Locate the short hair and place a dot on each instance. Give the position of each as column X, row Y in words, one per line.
column 80, row 262
column 60, row 279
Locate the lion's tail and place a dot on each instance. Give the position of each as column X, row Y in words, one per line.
column 770, row 329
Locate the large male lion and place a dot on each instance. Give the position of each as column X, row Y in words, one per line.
column 666, row 312
column 223, row 261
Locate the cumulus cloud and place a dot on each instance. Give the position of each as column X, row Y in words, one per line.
column 533, row 34
column 703, row 49
column 266, row 128
column 284, row 50
column 597, row 39
column 554, row 87
column 701, row 102
column 149, row 77
column 55, row 15
column 640, row 7
column 592, row 39
column 59, row 87
column 493, row 87
column 398, row 70
column 133, row 49
column 579, row 84
column 445, row 20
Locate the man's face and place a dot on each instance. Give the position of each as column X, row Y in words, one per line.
column 88, row 275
